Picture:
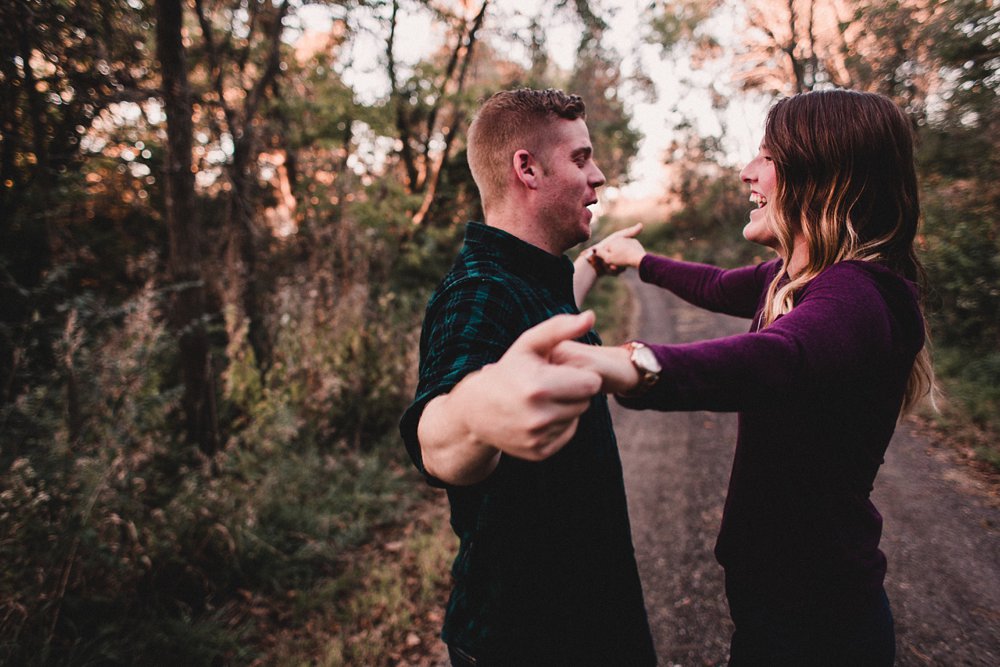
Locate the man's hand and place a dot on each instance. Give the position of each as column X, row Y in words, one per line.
column 523, row 405
column 618, row 373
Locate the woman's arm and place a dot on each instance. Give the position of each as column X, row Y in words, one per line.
column 840, row 332
column 734, row 292
column 731, row 291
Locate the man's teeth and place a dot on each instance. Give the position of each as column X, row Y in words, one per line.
column 758, row 199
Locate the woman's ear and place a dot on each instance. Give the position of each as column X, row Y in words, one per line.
column 526, row 169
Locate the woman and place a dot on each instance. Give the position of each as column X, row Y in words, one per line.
column 835, row 352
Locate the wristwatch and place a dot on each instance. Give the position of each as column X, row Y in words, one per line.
column 646, row 363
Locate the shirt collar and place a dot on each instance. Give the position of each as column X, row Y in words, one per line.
column 519, row 256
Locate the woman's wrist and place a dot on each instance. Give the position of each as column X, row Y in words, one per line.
column 645, row 369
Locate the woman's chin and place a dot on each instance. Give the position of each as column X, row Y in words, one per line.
column 757, row 231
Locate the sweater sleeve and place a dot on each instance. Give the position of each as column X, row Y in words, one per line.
column 842, row 330
column 731, row 291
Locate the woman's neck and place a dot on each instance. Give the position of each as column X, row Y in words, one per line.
column 800, row 257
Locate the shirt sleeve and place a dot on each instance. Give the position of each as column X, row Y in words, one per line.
column 840, row 331
column 467, row 326
column 730, row 291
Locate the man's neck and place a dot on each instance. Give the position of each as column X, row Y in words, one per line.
column 525, row 228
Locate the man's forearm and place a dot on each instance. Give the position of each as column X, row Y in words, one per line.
column 522, row 405
column 584, row 277
column 449, row 449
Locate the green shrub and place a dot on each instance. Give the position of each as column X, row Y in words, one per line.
column 123, row 545
column 960, row 248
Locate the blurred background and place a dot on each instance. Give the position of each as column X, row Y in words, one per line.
column 220, row 221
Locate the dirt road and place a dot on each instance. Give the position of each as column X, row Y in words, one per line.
column 941, row 535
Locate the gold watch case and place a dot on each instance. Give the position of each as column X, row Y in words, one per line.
column 645, row 362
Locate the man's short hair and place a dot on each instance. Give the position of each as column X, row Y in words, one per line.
column 509, row 121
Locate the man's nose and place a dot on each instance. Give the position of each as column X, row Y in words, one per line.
column 597, row 178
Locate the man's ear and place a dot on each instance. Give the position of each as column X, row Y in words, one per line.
column 526, row 168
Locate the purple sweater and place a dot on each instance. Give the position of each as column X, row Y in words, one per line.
column 818, row 394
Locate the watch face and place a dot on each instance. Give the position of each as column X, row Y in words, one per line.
column 645, row 359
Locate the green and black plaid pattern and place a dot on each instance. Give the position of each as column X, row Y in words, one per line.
column 545, row 559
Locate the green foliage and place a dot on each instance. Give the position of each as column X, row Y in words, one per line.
column 962, row 257
column 61, row 64
column 679, row 22
column 136, row 548
column 135, row 543
column 974, row 383
column 961, row 253
column 708, row 228
column 597, row 79
column 609, row 299
column 707, row 225
column 345, row 330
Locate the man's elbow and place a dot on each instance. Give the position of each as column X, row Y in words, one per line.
column 450, row 453
column 435, row 467
column 456, row 470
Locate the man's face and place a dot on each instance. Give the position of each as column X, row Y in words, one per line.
column 569, row 183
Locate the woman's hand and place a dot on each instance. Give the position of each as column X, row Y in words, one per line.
column 618, row 374
column 619, row 250
column 593, row 262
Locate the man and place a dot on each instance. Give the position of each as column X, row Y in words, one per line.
column 545, row 572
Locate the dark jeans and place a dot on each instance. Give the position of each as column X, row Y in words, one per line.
column 859, row 634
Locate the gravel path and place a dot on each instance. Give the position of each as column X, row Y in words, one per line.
column 941, row 534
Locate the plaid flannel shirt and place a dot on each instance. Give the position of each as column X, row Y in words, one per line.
column 545, row 568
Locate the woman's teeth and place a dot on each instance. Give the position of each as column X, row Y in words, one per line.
column 758, row 199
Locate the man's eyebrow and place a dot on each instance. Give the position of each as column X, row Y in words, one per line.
column 583, row 151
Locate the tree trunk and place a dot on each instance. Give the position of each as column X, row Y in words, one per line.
column 188, row 305
column 244, row 289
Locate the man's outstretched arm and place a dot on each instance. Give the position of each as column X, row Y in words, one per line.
column 522, row 405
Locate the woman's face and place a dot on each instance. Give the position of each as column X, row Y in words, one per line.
column 759, row 175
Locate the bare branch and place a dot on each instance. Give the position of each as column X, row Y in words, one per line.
column 273, row 63
column 402, row 118
column 456, row 120
column 216, row 74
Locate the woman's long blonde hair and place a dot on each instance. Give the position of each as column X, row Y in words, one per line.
column 846, row 180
